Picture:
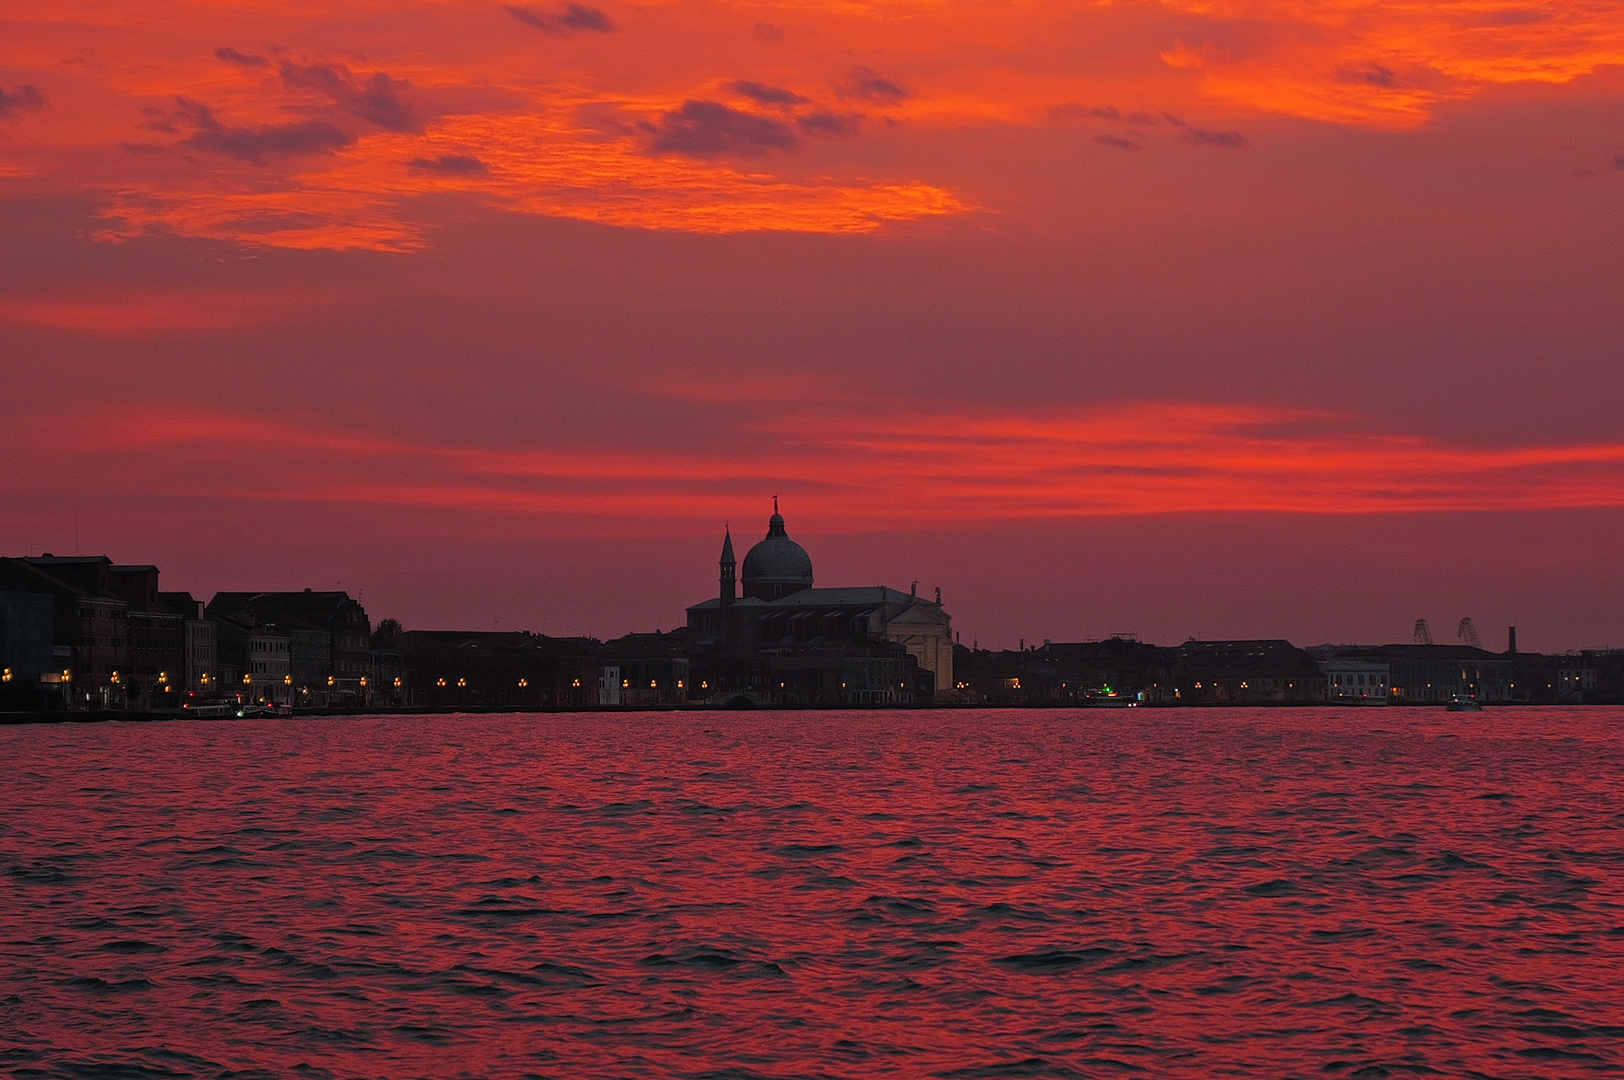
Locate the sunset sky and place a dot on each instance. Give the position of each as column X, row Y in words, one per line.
column 1225, row 318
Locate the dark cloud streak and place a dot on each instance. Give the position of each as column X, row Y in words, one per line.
column 450, row 165
column 709, row 129
column 1228, row 140
column 1370, row 74
column 825, row 124
column 256, row 145
column 870, row 85
column 572, row 18
column 763, row 94
column 378, row 100
column 1073, row 111
column 23, row 99
column 232, row 56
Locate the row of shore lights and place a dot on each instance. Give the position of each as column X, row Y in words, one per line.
column 287, row 680
column 67, row 675
column 163, row 677
column 625, row 684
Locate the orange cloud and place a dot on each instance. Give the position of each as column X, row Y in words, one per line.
column 1388, row 62
column 848, row 470
column 307, row 125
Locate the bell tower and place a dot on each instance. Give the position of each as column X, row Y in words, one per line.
column 729, row 582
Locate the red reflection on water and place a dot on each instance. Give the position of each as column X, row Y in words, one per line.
column 962, row 893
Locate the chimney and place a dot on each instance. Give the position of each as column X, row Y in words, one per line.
column 1511, row 641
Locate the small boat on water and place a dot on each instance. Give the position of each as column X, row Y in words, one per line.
column 1464, row 704
column 1106, row 698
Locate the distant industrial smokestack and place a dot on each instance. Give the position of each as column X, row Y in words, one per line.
column 1511, row 641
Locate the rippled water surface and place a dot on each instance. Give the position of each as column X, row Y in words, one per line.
column 956, row 894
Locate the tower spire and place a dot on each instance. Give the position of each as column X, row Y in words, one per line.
column 728, row 563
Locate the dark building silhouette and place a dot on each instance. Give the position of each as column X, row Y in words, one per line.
column 786, row 642
column 495, row 669
column 645, row 669
column 328, row 644
column 1115, row 670
column 91, row 629
column 1240, row 672
column 28, row 676
column 1120, row 670
column 1429, row 674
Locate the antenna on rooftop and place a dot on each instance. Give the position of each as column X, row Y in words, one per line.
column 1468, row 632
column 1423, row 635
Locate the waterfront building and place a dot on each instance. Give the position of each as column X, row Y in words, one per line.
column 268, row 678
column 200, row 678
column 1117, row 669
column 28, row 676
column 1575, row 680
column 389, row 677
column 90, row 650
column 330, row 629
column 609, row 684
column 647, row 669
column 785, row 641
column 156, row 670
column 136, row 585
column 497, row 669
column 1441, row 673
column 1242, row 672
column 1608, row 664
column 1356, row 680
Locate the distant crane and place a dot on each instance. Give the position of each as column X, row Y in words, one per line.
column 1468, row 633
column 1423, row 635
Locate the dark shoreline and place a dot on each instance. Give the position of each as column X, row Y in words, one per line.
column 108, row 716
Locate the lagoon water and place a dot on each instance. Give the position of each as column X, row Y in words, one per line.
column 1167, row 893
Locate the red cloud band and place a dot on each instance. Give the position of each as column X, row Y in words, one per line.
column 1140, row 458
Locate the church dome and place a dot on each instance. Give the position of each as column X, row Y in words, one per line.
column 777, row 566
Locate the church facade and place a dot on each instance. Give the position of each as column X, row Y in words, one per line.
column 772, row 637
